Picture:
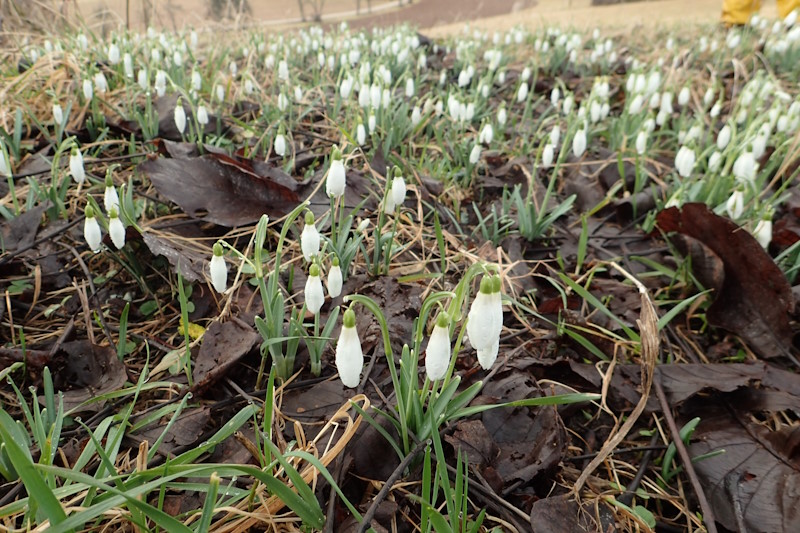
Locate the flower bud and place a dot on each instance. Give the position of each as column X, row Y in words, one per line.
column 313, row 290
column 437, row 354
column 91, row 230
column 218, row 269
column 335, row 279
column 116, row 230
column 349, row 357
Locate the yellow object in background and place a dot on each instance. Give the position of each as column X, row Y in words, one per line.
column 740, row 11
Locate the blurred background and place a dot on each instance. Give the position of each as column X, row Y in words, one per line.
column 104, row 15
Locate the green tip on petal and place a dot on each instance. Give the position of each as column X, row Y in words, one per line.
column 217, row 249
column 113, row 214
column 89, row 211
column 335, row 261
column 443, row 320
column 336, row 153
column 309, row 218
column 109, row 180
column 313, row 270
column 486, row 284
column 349, row 319
column 497, row 284
column 281, row 130
column 74, row 150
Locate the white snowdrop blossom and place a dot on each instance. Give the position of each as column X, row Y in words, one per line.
column 486, row 135
column 5, row 168
column 361, row 133
column 485, row 321
column 337, row 175
column 522, row 92
column 349, row 357
column 745, row 167
column 398, row 189
column 76, row 165
column 371, row 123
column 334, row 280
column 110, row 196
column 555, row 135
column 763, row 232
column 113, row 53
column 683, row 97
column 684, row 161
column 88, row 90
column 197, row 81
column 58, row 114
column 116, row 230
column 437, row 354
column 280, row 143
column 579, row 143
column 724, row 137
column 502, row 116
column 735, row 205
column 202, row 115
column 309, row 238
column 127, row 65
column 547, row 156
column 283, row 70
column 161, row 83
column 641, row 142
column 180, row 116
column 714, row 161
column 416, row 116
column 141, row 79
column 475, row 154
column 313, row 291
column 218, row 269
column 409, row 87
column 91, row 230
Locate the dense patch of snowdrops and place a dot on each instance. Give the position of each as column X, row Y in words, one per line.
column 387, row 90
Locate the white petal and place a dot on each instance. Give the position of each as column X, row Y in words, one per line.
column 437, row 355
column 335, row 183
column 110, row 199
column 487, row 356
column 335, row 281
column 309, row 241
column 116, row 231
column 91, row 232
column 219, row 273
column 314, row 295
column 480, row 321
column 349, row 357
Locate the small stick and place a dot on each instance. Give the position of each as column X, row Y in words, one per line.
column 708, row 513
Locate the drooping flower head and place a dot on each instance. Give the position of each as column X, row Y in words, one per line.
column 218, row 269
column 313, row 290
column 336, row 180
column 437, row 354
column 349, row 357
column 91, row 230
column 335, row 280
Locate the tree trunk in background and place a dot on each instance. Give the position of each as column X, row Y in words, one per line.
column 302, row 12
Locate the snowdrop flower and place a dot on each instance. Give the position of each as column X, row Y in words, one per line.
column 547, row 156
column 309, row 238
column 684, row 161
column 180, row 116
column 161, row 83
column 437, row 354
column 336, row 180
column 110, row 196
column 345, row 88
column 724, row 137
column 409, row 87
column 335, row 279
column 220, row 93
column 113, row 53
column 349, row 357
column 283, row 70
column 555, row 135
column 100, row 83
column 361, row 133
column 522, row 92
column 58, row 114
column 416, row 116
column 735, row 205
column 283, row 102
column 116, row 230
column 280, row 143
column 5, row 168
column 463, row 78
column 708, row 97
column 555, row 96
column 475, row 154
column 141, row 79
column 485, row 320
column 502, row 115
column 127, row 65
column 763, row 232
column 641, row 142
column 371, row 123
column 683, row 97
column 88, row 91
column 745, row 167
column 313, row 290
column 91, row 230
column 398, row 188
column 486, row 135
column 714, row 113
column 579, row 143
column 636, row 105
column 218, row 269
column 298, row 93
column 76, row 165
column 714, row 161
column 202, row 115
column 567, row 105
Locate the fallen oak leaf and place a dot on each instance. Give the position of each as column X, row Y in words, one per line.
column 754, row 299
column 215, row 188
